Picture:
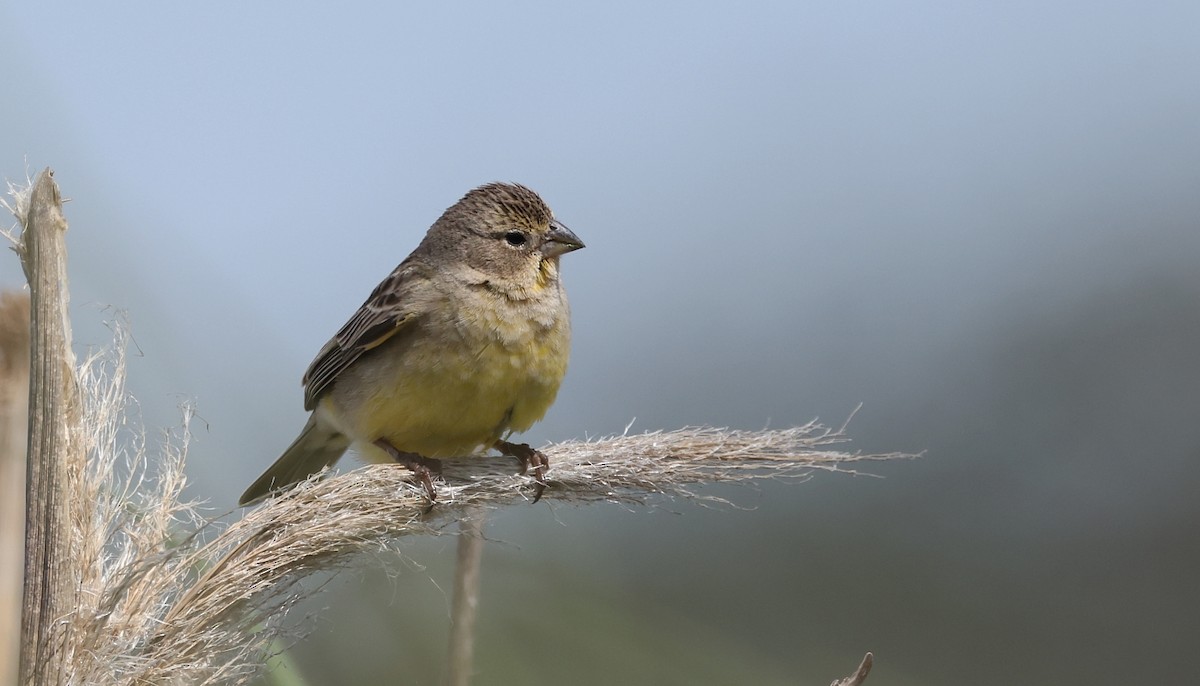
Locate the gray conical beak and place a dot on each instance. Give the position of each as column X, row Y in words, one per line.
column 559, row 239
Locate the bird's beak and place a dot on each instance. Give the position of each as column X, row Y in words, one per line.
column 559, row 239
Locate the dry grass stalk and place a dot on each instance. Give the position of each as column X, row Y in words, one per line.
column 859, row 675
column 254, row 567
column 467, row 570
column 55, row 463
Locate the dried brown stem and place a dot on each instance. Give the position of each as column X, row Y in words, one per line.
column 859, row 675
column 467, row 570
column 14, row 440
column 55, row 462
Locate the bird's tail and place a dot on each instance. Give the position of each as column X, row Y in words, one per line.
column 314, row 449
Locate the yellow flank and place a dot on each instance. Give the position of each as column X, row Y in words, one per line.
column 452, row 398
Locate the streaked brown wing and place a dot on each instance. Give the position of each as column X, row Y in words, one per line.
column 382, row 316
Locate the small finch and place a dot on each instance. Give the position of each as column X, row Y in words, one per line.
column 464, row 343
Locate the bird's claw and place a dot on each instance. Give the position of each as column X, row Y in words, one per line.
column 423, row 468
column 529, row 457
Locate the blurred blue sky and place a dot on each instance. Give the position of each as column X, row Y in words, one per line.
column 790, row 208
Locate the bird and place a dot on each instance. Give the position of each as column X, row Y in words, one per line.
column 465, row 343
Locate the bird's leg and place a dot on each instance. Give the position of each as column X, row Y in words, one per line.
column 422, row 467
column 529, row 457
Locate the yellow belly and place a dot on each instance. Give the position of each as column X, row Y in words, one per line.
column 443, row 401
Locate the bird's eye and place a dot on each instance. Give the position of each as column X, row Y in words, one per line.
column 515, row 238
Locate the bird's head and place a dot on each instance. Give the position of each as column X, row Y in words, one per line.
column 506, row 232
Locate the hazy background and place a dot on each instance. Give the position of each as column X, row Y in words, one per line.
column 981, row 222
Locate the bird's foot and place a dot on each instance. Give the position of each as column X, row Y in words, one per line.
column 423, row 468
column 529, row 457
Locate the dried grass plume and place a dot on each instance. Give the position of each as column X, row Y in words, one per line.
column 166, row 597
column 162, row 605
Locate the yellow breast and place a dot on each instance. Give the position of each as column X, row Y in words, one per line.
column 457, row 383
